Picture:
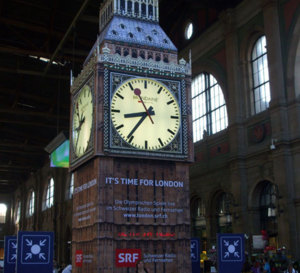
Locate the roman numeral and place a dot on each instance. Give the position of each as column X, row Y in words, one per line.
column 146, row 144
column 159, row 90
column 131, row 87
column 121, row 97
column 170, row 131
column 171, row 101
column 145, row 84
column 120, row 126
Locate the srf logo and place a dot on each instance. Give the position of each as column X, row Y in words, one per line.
column 127, row 257
column 79, row 258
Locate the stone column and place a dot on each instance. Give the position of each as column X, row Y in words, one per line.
column 235, row 107
column 283, row 160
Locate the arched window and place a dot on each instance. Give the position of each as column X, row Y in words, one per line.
column 3, row 209
column 224, row 213
column 261, row 95
column 209, row 108
column 18, row 212
column 198, row 220
column 49, row 198
column 71, row 187
column 31, row 201
column 189, row 30
column 268, row 208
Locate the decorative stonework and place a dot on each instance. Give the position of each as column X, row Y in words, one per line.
column 85, row 72
column 146, row 10
column 114, row 61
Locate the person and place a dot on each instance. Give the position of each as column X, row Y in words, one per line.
column 290, row 269
column 140, row 267
column 55, row 267
column 256, row 267
column 246, row 267
column 266, row 267
column 68, row 269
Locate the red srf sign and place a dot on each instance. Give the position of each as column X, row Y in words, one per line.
column 127, row 257
column 78, row 258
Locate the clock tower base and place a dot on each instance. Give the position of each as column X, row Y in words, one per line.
column 125, row 210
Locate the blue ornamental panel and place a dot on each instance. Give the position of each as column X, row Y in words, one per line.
column 231, row 251
column 35, row 252
column 10, row 254
column 195, row 255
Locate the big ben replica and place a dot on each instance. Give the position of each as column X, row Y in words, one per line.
column 131, row 147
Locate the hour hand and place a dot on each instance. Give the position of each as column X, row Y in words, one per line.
column 144, row 115
column 139, row 114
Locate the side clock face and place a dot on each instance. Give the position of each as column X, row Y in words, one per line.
column 82, row 120
column 145, row 113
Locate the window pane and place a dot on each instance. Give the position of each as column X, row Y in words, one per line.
column 18, row 212
column 71, row 188
column 31, row 204
column 260, row 74
column 202, row 104
column 208, row 106
column 49, row 194
column 3, row 209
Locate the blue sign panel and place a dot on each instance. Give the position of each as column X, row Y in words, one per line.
column 10, row 254
column 195, row 255
column 231, row 251
column 35, row 252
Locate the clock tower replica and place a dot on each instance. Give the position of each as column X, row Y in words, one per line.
column 131, row 146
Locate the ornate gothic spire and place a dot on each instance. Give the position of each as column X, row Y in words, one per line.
column 146, row 10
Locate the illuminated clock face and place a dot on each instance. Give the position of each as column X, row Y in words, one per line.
column 145, row 113
column 82, row 120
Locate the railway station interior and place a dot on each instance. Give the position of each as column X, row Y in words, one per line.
column 245, row 104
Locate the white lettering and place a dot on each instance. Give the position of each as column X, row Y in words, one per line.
column 85, row 186
column 141, row 182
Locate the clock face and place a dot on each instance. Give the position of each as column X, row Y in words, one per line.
column 82, row 120
column 145, row 113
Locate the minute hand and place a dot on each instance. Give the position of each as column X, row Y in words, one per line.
column 138, row 114
column 144, row 115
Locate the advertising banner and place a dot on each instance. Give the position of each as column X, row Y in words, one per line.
column 231, row 252
column 10, row 254
column 135, row 214
column 34, row 252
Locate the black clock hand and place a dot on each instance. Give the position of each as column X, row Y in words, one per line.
column 145, row 114
column 138, row 114
column 81, row 121
column 78, row 132
column 137, row 125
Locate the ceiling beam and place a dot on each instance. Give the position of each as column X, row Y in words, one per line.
column 42, row 30
column 21, row 146
column 33, row 124
column 32, row 73
column 24, row 94
column 33, row 113
column 25, row 135
column 25, row 52
column 82, row 8
column 15, row 167
column 18, row 152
